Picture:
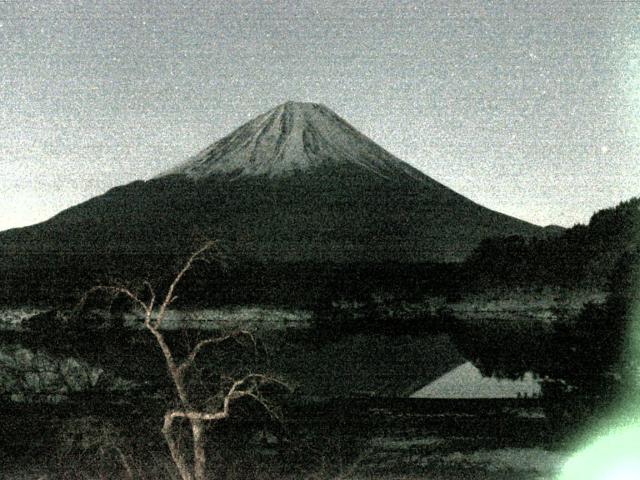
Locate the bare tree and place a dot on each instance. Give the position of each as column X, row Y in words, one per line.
column 197, row 416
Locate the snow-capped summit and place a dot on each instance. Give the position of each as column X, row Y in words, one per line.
column 293, row 136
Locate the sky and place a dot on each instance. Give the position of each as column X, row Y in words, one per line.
column 531, row 108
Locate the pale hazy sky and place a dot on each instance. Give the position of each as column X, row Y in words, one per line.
column 531, row 108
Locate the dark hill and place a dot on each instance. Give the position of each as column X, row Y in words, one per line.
column 581, row 256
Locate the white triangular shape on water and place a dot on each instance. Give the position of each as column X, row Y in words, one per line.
column 466, row 381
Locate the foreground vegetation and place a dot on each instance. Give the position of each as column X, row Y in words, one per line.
column 339, row 440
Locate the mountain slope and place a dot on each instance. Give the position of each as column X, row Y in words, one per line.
column 297, row 183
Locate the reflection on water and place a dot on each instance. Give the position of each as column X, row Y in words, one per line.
column 466, row 381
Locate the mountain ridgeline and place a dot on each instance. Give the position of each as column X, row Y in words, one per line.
column 295, row 186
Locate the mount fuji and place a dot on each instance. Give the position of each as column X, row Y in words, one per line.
column 297, row 183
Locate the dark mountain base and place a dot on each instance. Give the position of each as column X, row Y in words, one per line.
column 57, row 279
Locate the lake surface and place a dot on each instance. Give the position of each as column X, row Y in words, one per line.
column 461, row 381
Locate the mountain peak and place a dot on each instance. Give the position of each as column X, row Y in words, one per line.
column 294, row 105
column 294, row 136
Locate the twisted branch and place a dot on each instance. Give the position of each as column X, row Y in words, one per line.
column 248, row 386
column 235, row 392
column 169, row 298
column 190, row 359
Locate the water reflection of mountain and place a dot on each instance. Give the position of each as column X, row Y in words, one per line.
column 467, row 381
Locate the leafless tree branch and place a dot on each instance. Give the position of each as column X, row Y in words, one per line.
column 190, row 359
column 114, row 291
column 247, row 386
column 169, row 298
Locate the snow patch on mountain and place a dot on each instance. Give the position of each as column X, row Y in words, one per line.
column 293, row 137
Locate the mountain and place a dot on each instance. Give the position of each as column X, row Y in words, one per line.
column 294, row 138
column 296, row 184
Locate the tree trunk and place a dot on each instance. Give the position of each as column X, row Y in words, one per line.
column 176, row 454
column 199, row 455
